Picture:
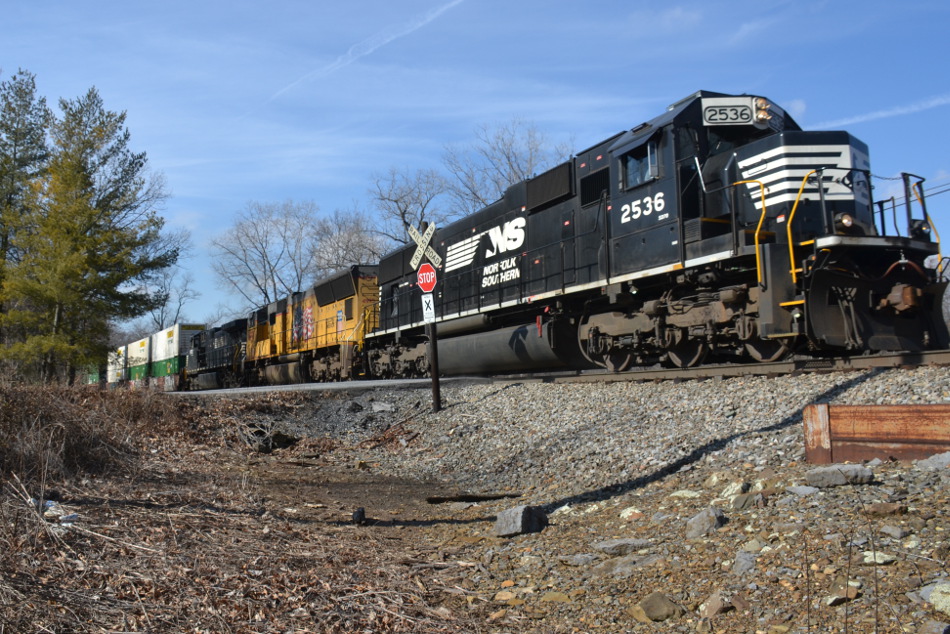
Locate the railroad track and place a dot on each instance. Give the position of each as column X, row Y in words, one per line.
column 789, row 366
column 655, row 373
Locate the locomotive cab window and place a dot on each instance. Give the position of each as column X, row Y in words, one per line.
column 348, row 309
column 640, row 166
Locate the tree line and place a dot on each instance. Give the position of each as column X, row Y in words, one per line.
column 85, row 256
column 275, row 249
column 82, row 242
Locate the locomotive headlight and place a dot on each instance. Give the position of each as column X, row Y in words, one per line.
column 762, row 110
column 920, row 229
column 844, row 221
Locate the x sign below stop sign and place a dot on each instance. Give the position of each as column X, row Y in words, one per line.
column 426, row 277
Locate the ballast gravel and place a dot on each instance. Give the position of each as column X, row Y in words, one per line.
column 704, row 484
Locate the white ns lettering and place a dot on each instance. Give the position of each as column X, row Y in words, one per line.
column 507, row 237
column 643, row 207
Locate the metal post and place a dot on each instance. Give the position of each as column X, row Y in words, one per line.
column 432, row 333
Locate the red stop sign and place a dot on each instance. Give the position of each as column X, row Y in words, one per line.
column 426, row 277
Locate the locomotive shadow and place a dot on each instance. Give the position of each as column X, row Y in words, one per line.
column 614, row 490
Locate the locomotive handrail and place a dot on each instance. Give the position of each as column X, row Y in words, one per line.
column 758, row 229
column 919, row 195
column 791, row 219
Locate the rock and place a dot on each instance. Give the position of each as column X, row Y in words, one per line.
column 379, row 407
column 584, row 559
column 838, row 475
column 631, row 513
column 802, row 490
column 619, row 547
column 938, row 461
column 658, row 607
column 519, row 520
column 881, row 509
column 934, row 627
column 895, row 532
column 626, row 565
column 747, row 500
column 704, row 522
column 714, row 605
column 745, row 563
column 876, row 558
column 940, row 598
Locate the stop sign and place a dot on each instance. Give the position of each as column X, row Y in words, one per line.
column 426, row 277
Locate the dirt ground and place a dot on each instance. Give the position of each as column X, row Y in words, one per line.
column 210, row 535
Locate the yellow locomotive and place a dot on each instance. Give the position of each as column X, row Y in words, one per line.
column 317, row 334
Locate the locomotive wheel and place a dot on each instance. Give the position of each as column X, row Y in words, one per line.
column 688, row 353
column 615, row 360
column 767, row 350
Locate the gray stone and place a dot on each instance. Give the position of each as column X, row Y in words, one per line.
column 745, row 563
column 626, row 565
column 619, row 547
column 519, row 520
column 747, row 501
column 658, row 607
column 802, row 490
column 839, row 475
column 938, row 461
column 582, row 559
column 940, row 598
column 714, row 605
column 934, row 627
column 895, row 532
column 704, row 522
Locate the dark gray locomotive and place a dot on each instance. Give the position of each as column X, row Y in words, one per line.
column 719, row 229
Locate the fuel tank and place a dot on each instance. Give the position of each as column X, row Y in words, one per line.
column 512, row 349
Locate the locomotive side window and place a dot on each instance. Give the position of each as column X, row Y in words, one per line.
column 640, row 166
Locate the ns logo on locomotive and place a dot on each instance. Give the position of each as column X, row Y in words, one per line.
column 717, row 230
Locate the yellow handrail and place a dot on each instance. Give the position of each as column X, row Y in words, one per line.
column 791, row 217
column 758, row 229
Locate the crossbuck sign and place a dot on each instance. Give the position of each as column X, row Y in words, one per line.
column 423, row 248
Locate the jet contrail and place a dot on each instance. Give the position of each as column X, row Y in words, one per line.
column 897, row 111
column 370, row 45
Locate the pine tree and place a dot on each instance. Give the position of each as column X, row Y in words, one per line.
column 89, row 242
column 24, row 123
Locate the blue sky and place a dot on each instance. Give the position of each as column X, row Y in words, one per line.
column 246, row 101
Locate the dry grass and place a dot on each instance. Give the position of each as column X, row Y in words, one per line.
column 170, row 534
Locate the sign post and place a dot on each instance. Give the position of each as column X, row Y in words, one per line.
column 426, row 279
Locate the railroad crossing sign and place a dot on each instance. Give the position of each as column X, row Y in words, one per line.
column 426, row 277
column 428, row 309
column 423, row 248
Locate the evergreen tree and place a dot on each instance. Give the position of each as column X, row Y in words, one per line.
column 90, row 241
column 24, row 123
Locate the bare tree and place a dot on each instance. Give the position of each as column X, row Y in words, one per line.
column 346, row 238
column 176, row 290
column 407, row 199
column 268, row 253
column 501, row 155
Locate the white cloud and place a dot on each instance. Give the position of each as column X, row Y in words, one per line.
column 369, row 46
column 897, row 111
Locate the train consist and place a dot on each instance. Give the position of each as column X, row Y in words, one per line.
column 719, row 230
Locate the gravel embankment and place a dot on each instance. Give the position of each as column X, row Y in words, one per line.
column 689, row 501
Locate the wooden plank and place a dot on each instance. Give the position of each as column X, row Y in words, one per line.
column 910, row 423
column 838, row 433
column 817, row 434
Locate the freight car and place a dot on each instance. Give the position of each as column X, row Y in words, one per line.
column 719, row 228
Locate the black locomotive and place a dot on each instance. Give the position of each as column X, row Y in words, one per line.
column 718, row 229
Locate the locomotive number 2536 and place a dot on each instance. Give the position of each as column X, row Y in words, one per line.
column 642, row 207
